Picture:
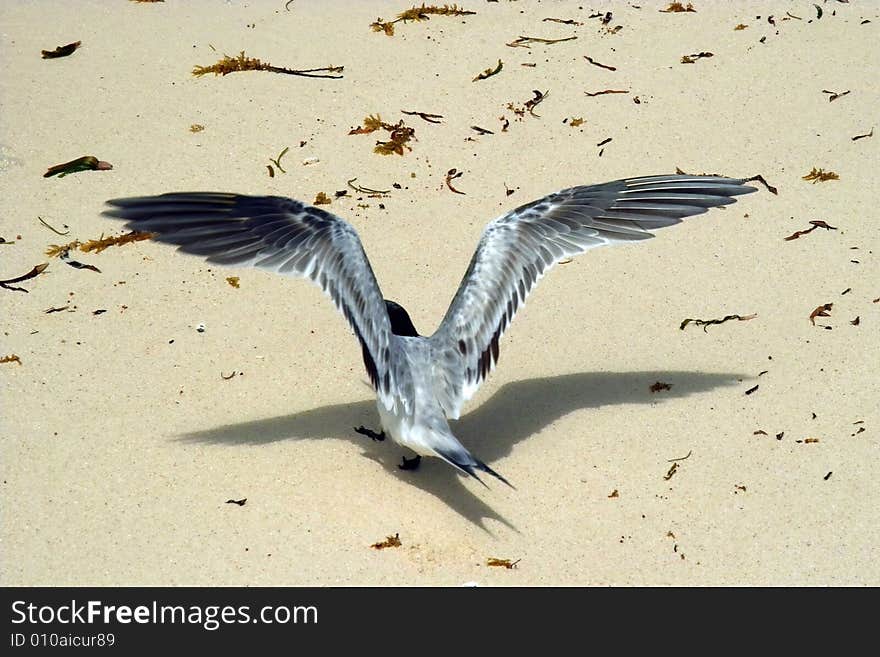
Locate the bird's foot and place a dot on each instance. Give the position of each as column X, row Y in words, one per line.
column 410, row 464
column 369, row 433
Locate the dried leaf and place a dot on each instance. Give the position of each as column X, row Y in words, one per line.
column 576, row 122
column 322, row 199
column 489, row 72
column 233, row 281
column 821, row 311
column 451, row 175
column 61, row 51
column 741, row 26
column 36, row 271
column 85, row 163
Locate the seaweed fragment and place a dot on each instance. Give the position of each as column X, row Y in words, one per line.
column 677, row 7
column 240, row 502
column 98, row 245
column 85, row 163
column 425, row 116
column 576, row 122
column 820, row 175
column 481, row 131
column 816, row 224
column 613, row 495
column 607, row 140
column 52, row 228
column 753, row 389
column 489, row 72
column 242, row 63
column 671, row 472
column 834, row 95
column 867, row 134
column 600, row 65
column 690, row 59
column 233, row 281
column 606, row 91
column 759, row 178
column 277, row 160
column 321, row 199
column 417, row 14
column 451, row 175
column 196, row 127
column 399, row 135
column 502, row 563
column 856, row 321
column 525, row 41
column 11, row 358
column 821, row 311
column 36, row 271
column 365, row 190
column 741, row 26
column 61, row 51
column 705, row 323
column 569, row 21
column 659, row 385
column 76, row 264
column 389, row 542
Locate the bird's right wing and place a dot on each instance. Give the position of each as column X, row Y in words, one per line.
column 281, row 235
column 519, row 247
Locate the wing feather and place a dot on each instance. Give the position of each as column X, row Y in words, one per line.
column 518, row 248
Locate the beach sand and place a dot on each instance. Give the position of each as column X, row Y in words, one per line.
column 122, row 442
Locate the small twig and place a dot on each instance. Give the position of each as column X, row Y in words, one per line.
column 595, row 63
column 482, row 131
column 834, row 95
column 54, row 230
column 606, row 91
column 681, row 458
column 36, row 271
column 424, row 116
column 708, row 322
column 277, row 160
column 226, row 378
column 365, row 190
column 523, row 41
column 759, row 178
column 816, row 224
column 867, row 134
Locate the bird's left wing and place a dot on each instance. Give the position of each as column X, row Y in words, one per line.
column 519, row 247
column 280, row 235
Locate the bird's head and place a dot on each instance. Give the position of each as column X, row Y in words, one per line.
column 401, row 324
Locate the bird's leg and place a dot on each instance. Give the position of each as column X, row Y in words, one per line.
column 410, row 464
column 369, row 433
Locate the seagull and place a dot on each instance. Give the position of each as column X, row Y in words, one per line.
column 423, row 381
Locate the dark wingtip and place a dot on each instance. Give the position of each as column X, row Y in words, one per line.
column 470, row 466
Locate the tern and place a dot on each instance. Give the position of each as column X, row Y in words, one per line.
column 423, row 381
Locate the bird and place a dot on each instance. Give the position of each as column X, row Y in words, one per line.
column 423, row 381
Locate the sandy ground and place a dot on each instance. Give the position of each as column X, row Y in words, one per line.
column 121, row 443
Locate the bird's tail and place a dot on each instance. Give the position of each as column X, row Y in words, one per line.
column 457, row 456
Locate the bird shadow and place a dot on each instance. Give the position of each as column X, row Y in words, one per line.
column 514, row 412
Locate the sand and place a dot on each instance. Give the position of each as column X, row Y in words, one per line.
column 122, row 442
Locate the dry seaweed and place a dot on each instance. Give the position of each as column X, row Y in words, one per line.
column 99, row 244
column 277, row 160
column 399, row 135
column 741, row 26
column 481, row 131
column 451, row 175
column 614, row 494
column 753, row 389
column 228, row 378
column 525, row 42
column 576, row 122
column 820, row 175
column 233, row 281
column 690, row 59
column 11, row 358
column 681, row 458
column 759, row 178
column 816, row 224
column 365, row 190
column 85, row 163
column 659, row 385
column 606, row 91
column 76, row 264
column 416, row 14
column 809, row 441
column 36, row 271
column 322, row 199
column 568, row 21
column 603, row 142
column 867, row 134
column 828, row 476
column 425, row 116
column 61, row 51
column 705, row 323
column 759, row 432
column 671, row 472
column 489, row 72
column 240, row 502
column 595, row 63
column 52, row 228
column 834, row 95
column 821, row 311
column 57, row 309
column 99, row 311
column 677, row 7
column 242, row 63
column 502, row 563
column 389, row 542
column 856, row 321
column 196, row 127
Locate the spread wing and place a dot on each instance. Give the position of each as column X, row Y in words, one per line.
column 281, row 235
column 519, row 247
